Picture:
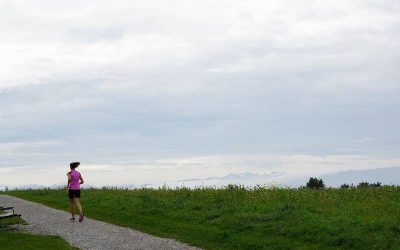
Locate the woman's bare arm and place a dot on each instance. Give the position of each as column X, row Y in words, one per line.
column 81, row 180
column 69, row 179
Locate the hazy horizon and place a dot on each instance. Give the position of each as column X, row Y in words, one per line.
column 159, row 92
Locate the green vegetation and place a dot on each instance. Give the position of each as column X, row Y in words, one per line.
column 239, row 218
column 11, row 239
column 315, row 183
column 366, row 184
column 6, row 222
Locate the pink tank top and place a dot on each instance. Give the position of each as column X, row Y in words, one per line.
column 74, row 184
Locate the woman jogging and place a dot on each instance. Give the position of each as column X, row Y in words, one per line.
column 74, row 190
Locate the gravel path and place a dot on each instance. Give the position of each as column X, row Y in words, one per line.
column 90, row 234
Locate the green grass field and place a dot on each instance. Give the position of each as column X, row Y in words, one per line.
column 11, row 239
column 237, row 218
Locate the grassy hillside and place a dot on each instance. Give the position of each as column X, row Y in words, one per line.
column 236, row 218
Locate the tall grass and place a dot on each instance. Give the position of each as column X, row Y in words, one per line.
column 238, row 218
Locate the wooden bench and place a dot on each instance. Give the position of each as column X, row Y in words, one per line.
column 8, row 214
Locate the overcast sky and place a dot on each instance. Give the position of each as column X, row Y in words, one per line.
column 159, row 91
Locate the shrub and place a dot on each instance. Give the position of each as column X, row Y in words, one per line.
column 378, row 184
column 366, row 184
column 363, row 184
column 315, row 183
column 345, row 186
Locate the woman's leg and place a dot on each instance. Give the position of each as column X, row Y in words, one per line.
column 78, row 205
column 71, row 207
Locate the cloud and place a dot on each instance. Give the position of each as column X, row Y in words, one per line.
column 136, row 81
column 63, row 39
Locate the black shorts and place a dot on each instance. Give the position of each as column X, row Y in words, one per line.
column 74, row 193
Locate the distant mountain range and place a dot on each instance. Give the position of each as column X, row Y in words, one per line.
column 238, row 176
column 387, row 176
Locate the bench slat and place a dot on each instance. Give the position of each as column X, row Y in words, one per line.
column 6, row 208
column 2, row 216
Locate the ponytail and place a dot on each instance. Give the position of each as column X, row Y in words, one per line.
column 74, row 165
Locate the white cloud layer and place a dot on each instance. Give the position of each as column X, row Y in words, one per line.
column 111, row 83
column 293, row 170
